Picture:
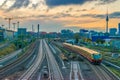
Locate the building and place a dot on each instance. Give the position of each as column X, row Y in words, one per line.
column 6, row 34
column 53, row 35
column 115, row 43
column 113, row 31
column 43, row 34
column 119, row 29
column 2, row 34
column 22, row 31
column 84, row 33
column 95, row 38
column 66, row 33
column 93, row 35
column 9, row 34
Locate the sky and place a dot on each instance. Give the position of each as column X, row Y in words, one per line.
column 54, row 15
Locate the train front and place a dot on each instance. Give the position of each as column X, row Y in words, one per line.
column 97, row 58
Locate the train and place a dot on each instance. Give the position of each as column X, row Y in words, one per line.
column 91, row 55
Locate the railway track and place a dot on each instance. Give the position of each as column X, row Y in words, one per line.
column 98, row 72
column 9, row 58
column 55, row 73
column 4, row 45
column 35, row 66
column 102, row 73
column 75, row 73
column 16, row 65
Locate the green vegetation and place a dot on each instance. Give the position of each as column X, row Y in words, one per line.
column 100, row 41
column 101, row 48
column 76, row 37
column 115, row 71
column 107, row 53
column 115, row 61
column 20, row 44
column 3, row 42
column 7, row 50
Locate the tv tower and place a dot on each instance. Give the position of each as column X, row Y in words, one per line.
column 107, row 20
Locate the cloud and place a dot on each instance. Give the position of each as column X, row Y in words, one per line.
column 93, row 15
column 112, row 15
column 102, row 2
column 108, row 1
column 61, row 15
column 69, row 10
column 35, row 5
column 53, row 3
column 3, row 3
column 19, row 3
column 115, row 15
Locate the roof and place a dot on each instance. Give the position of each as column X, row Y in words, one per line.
column 83, row 48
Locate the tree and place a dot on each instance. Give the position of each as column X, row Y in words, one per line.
column 76, row 36
column 100, row 41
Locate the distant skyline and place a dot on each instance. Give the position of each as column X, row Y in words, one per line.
column 54, row 15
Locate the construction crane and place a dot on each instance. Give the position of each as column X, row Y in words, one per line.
column 9, row 20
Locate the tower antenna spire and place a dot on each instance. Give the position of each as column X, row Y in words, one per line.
column 107, row 20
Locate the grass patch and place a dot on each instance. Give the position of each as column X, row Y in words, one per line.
column 117, row 72
column 7, row 50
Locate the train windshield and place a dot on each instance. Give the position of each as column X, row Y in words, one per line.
column 96, row 56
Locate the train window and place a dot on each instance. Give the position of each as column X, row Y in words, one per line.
column 96, row 56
